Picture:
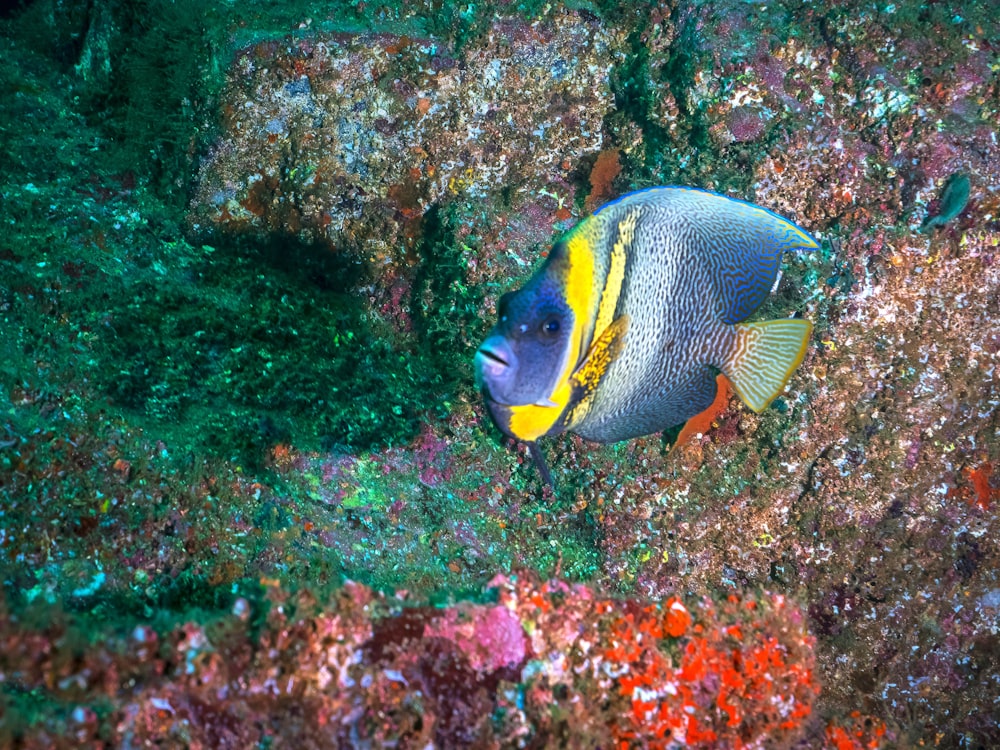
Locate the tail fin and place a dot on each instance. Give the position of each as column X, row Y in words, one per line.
column 764, row 358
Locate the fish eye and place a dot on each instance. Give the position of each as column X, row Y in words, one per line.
column 551, row 325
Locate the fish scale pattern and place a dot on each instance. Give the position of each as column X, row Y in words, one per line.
column 698, row 263
column 741, row 289
column 741, row 243
column 652, row 385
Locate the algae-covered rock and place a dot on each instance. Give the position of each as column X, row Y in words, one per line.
column 548, row 664
column 348, row 140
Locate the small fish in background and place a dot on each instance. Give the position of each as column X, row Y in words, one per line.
column 954, row 198
column 623, row 329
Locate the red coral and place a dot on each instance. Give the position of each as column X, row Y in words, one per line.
column 980, row 479
column 862, row 733
column 729, row 684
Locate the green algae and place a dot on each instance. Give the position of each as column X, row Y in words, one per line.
column 267, row 346
column 232, row 349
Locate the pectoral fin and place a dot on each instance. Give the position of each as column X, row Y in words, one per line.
column 584, row 381
column 602, row 353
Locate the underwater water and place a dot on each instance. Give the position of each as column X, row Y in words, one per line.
column 250, row 492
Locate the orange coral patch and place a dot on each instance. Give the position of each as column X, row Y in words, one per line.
column 677, row 619
column 606, row 169
column 980, row 479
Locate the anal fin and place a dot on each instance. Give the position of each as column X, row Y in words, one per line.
column 702, row 422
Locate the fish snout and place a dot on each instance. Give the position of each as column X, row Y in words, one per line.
column 496, row 365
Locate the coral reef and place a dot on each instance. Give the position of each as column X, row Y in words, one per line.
column 351, row 139
column 248, row 492
column 544, row 664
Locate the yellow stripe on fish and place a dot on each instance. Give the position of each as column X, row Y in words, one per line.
column 586, row 379
column 616, row 272
column 532, row 421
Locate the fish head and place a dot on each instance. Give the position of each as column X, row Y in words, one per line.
column 526, row 354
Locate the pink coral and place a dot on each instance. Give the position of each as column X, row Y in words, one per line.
column 490, row 637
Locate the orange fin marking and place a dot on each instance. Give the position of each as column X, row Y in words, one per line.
column 703, row 421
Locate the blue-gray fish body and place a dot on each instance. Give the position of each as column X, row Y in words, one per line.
column 622, row 330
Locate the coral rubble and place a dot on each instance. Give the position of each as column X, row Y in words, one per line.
column 544, row 664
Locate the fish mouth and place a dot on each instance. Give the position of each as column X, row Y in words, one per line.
column 493, row 356
column 496, row 367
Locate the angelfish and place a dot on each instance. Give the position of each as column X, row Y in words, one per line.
column 624, row 327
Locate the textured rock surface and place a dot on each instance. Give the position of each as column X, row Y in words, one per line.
column 201, row 437
column 348, row 140
column 545, row 665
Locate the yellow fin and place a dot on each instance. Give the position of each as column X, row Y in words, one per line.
column 588, row 375
column 765, row 356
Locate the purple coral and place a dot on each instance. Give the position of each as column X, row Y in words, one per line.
column 745, row 124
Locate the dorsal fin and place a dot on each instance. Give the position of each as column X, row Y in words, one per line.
column 743, row 245
column 740, row 243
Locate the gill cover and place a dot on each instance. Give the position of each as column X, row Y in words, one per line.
column 527, row 350
column 526, row 365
